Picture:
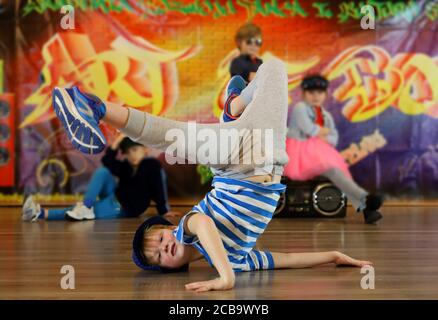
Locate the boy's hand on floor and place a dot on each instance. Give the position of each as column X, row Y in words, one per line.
column 215, row 284
column 344, row 260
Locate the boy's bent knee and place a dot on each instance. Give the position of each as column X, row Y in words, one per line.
column 274, row 65
column 102, row 171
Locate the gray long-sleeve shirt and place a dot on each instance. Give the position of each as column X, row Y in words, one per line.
column 302, row 123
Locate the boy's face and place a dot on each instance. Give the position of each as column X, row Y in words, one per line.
column 251, row 46
column 161, row 248
column 135, row 155
column 315, row 97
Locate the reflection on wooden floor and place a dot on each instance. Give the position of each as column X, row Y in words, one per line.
column 403, row 247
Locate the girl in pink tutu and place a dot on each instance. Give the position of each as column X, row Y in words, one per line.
column 310, row 144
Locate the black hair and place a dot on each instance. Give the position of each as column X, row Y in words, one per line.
column 127, row 143
column 314, row 82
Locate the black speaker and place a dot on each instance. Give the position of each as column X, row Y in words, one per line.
column 317, row 198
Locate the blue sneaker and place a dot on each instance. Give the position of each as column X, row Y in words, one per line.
column 235, row 85
column 80, row 114
column 234, row 88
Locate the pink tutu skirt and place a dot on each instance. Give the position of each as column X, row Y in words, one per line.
column 312, row 157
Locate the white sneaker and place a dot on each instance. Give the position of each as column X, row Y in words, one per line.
column 30, row 210
column 81, row 212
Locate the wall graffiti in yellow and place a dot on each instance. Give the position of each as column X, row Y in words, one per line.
column 132, row 71
column 295, row 71
column 373, row 81
column 420, row 90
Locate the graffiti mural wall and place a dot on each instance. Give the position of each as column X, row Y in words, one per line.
column 171, row 58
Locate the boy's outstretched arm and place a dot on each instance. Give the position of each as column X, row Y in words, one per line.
column 204, row 228
column 311, row 259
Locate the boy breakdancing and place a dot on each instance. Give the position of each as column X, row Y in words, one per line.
column 224, row 227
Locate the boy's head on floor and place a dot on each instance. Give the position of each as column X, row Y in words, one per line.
column 249, row 39
column 133, row 152
column 156, row 248
column 314, row 89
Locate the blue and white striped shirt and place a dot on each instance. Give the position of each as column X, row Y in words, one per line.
column 241, row 211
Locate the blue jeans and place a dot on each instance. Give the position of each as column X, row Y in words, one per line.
column 100, row 195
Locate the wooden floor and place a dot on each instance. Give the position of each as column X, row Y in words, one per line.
column 404, row 248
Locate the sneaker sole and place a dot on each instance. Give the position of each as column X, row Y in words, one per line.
column 72, row 120
column 376, row 217
column 85, row 217
column 68, row 217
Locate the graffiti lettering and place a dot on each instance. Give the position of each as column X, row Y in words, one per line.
column 133, row 72
column 384, row 10
column 323, row 11
column 369, row 144
column 220, row 8
column 41, row 6
column 373, row 82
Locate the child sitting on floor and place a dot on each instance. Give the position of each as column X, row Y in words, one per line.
column 118, row 189
column 224, row 227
